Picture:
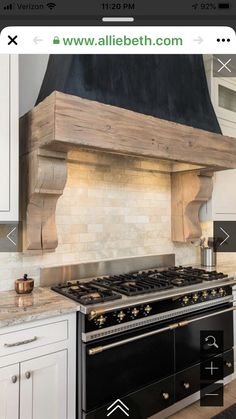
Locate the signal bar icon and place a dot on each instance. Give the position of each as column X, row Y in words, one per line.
column 9, row 7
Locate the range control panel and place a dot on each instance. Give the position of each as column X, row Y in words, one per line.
column 98, row 319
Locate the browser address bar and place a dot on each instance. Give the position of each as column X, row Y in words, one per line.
column 116, row 40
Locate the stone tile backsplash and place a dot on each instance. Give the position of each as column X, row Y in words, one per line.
column 113, row 206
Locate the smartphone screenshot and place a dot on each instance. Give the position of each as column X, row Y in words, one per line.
column 117, row 210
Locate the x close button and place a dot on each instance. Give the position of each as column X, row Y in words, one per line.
column 224, row 65
column 12, row 39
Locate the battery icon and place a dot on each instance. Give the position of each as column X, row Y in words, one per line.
column 223, row 5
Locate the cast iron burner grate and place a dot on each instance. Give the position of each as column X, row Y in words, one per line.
column 86, row 293
column 188, row 271
column 107, row 288
column 134, row 284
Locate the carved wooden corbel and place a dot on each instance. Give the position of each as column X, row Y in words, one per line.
column 44, row 175
column 189, row 190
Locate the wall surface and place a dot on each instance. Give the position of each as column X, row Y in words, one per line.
column 112, row 206
column 31, row 73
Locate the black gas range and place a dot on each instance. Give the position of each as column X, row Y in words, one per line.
column 108, row 288
column 139, row 336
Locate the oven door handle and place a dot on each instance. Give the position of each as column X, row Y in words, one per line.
column 98, row 349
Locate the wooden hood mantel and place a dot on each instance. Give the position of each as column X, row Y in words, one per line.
column 64, row 122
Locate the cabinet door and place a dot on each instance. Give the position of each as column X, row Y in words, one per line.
column 9, row 392
column 5, row 132
column 222, row 207
column 43, row 390
column 9, row 127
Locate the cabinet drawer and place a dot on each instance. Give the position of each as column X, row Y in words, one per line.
column 143, row 403
column 33, row 337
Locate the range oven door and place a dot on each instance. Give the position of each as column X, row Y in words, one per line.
column 124, row 369
column 144, row 362
column 187, row 338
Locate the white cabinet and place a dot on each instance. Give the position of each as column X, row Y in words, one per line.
column 43, row 387
column 222, row 207
column 38, row 375
column 9, row 392
column 9, row 142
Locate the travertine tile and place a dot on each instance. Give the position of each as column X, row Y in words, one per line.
column 112, row 206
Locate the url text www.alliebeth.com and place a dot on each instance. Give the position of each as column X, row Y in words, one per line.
column 113, row 40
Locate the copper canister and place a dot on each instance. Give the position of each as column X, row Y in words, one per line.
column 24, row 285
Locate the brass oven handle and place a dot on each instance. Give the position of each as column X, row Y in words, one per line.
column 22, row 342
column 98, row 349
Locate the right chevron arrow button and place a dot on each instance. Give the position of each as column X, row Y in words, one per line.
column 226, row 236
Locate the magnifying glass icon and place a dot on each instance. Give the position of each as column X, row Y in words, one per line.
column 211, row 341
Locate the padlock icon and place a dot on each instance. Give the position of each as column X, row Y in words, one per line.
column 56, row 40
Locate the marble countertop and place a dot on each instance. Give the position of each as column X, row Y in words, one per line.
column 41, row 303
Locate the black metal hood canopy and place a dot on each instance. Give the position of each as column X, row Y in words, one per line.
column 171, row 87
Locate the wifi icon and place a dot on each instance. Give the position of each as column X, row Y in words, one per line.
column 51, row 5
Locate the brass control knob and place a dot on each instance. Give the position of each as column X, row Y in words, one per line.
column 185, row 299
column 101, row 320
column 195, row 297
column 134, row 312
column 204, row 294
column 94, row 314
column 186, row 386
column 221, row 292
column 166, row 396
column 213, row 292
column 121, row 315
column 147, row 309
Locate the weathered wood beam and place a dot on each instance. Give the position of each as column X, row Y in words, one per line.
column 63, row 122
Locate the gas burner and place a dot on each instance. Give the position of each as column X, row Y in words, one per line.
column 179, row 282
column 178, row 278
column 192, row 275
column 213, row 275
column 135, row 284
column 86, row 293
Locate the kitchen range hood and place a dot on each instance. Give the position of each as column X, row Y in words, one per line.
column 146, row 106
column 170, row 87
